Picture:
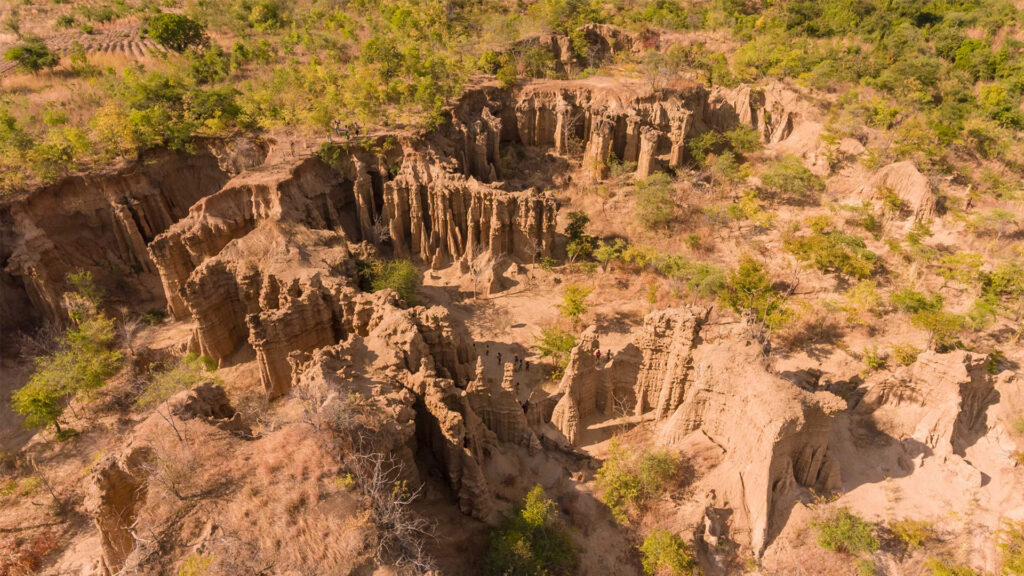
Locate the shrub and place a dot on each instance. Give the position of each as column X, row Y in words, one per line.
column 665, row 552
column 834, row 251
column 904, row 354
column 962, row 267
column 912, row 533
column 608, row 251
column 530, row 542
column 186, row 373
column 176, row 32
column 555, row 343
column 846, row 532
column 749, row 288
column 32, row 55
column 912, row 301
column 863, row 302
column 655, row 207
column 401, row 275
column 874, row 359
column 195, row 565
column 789, row 178
column 865, row 567
column 630, row 479
column 944, row 568
column 707, row 280
column 944, row 326
column 1011, row 545
column 574, row 302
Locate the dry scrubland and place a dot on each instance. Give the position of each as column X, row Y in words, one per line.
column 550, row 287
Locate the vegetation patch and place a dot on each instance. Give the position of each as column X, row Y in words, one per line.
column 664, row 552
column 630, row 479
column 846, row 532
column 531, row 541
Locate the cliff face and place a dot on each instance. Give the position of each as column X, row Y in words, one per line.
column 688, row 382
column 940, row 401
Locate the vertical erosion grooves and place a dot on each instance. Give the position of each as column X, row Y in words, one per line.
column 99, row 224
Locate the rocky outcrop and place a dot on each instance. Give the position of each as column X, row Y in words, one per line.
column 584, row 390
column 940, row 402
column 689, row 385
column 911, row 187
column 666, row 345
column 782, row 447
column 117, row 491
column 208, row 402
column 99, row 224
column 501, row 412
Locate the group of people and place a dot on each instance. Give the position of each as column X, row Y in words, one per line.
column 517, row 362
column 347, row 131
column 607, row 355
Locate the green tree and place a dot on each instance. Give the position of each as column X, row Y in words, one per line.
column 574, row 302
column 556, row 344
column 401, row 275
column 608, row 251
column 789, row 178
column 176, row 32
column 749, row 288
column 83, row 361
column 629, row 479
column 664, row 552
column 530, row 542
column 32, row 55
column 655, row 207
column 580, row 244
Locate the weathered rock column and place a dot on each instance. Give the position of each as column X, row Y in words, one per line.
column 647, row 162
column 680, row 128
column 599, row 147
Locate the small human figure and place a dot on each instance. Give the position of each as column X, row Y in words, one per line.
column 517, row 387
column 357, row 129
column 487, row 350
column 970, row 203
column 526, row 406
column 608, row 355
column 527, row 365
column 499, row 358
column 598, row 354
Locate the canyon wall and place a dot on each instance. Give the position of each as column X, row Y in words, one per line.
column 687, row 381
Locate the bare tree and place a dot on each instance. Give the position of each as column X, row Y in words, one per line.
column 401, row 534
column 128, row 328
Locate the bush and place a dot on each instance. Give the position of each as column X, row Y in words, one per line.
column 186, row 373
column 555, row 343
column 912, row 301
column 863, row 302
column 944, row 568
column 1018, row 426
column 912, row 533
column 1011, row 545
column 874, row 359
column 530, row 542
column 789, row 178
column 32, row 55
column 749, row 288
column 630, row 479
column 401, row 275
column 846, row 532
column 831, row 250
column 665, row 552
column 655, row 206
column 176, row 32
column 945, row 327
column 904, row 354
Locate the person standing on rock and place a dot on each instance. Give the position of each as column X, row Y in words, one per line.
column 499, row 358
column 598, row 355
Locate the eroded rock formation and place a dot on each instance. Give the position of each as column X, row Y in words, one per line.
column 691, row 384
column 940, row 401
column 117, row 491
